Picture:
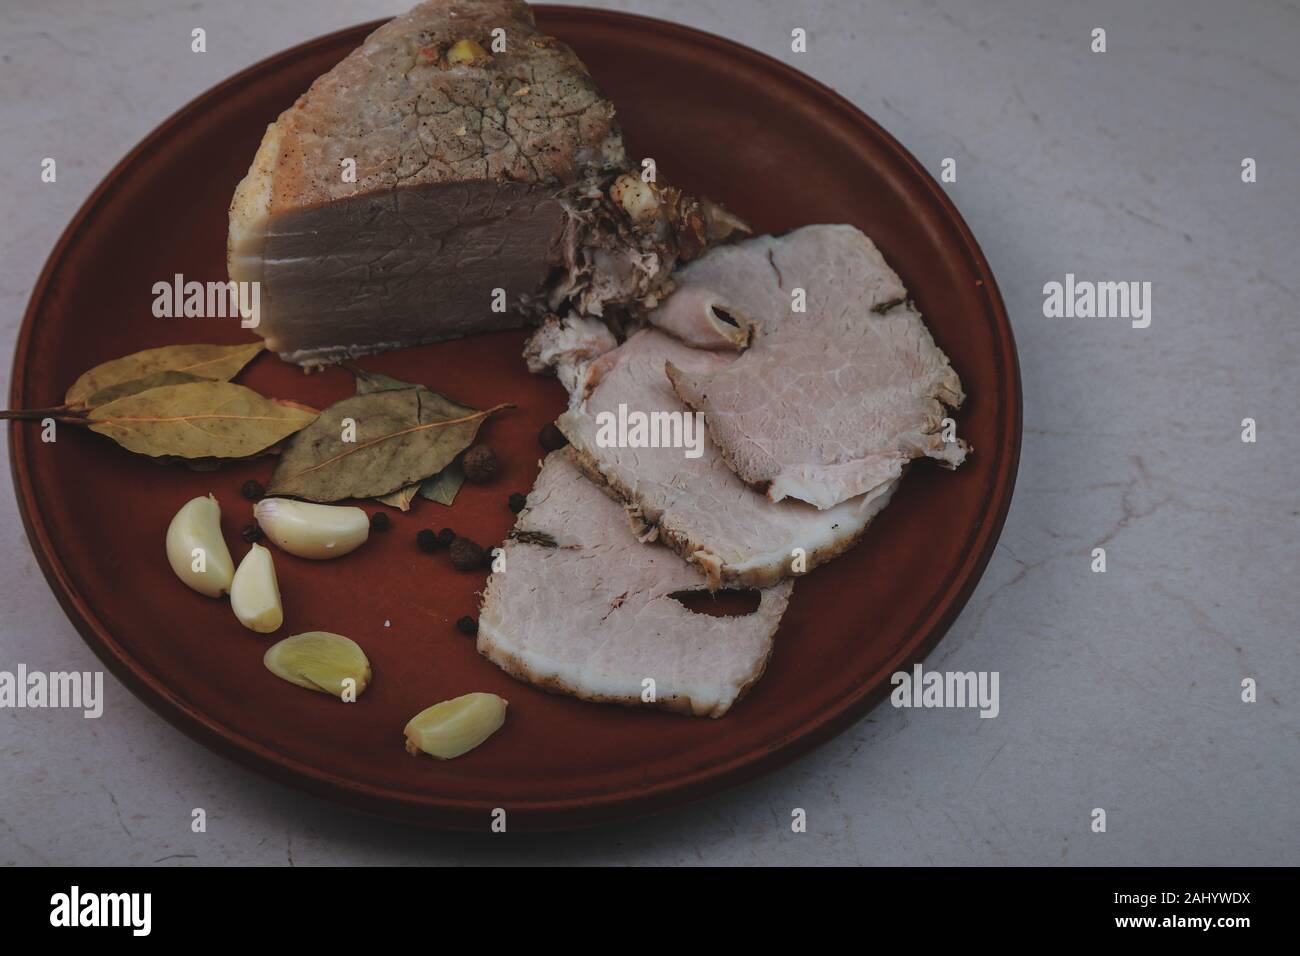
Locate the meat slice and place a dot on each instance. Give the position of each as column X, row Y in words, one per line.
column 431, row 186
column 823, row 405
column 696, row 505
column 583, row 608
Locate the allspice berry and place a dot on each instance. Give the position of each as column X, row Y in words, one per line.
column 446, row 536
column 467, row 625
column 517, row 502
column 551, row 438
column 480, row 464
column 252, row 490
column 380, row 521
column 427, row 540
column 466, row 555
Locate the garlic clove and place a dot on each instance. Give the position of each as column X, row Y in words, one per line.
column 255, row 593
column 466, row 51
column 196, row 550
column 311, row 530
column 320, row 661
column 456, row 726
column 637, row 197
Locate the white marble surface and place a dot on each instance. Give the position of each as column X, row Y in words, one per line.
column 1119, row 690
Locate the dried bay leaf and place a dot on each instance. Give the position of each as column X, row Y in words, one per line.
column 401, row 498
column 218, row 363
column 204, row 419
column 443, row 486
column 403, row 435
column 368, row 382
column 377, row 382
column 136, row 385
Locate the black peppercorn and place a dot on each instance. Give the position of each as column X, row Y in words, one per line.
column 467, row 625
column 251, row 533
column 380, row 522
column 466, row 555
column 252, row 490
column 426, row 540
column 480, row 464
column 446, row 536
column 517, row 502
column 551, row 438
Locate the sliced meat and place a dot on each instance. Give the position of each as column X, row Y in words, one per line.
column 823, row 405
column 697, row 506
column 583, row 608
column 426, row 171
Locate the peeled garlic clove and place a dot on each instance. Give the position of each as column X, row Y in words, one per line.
column 255, row 594
column 196, row 550
column 466, row 51
column 310, row 530
column 455, row 726
column 320, row 660
column 636, row 196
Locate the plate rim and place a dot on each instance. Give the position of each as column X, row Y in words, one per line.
column 568, row 812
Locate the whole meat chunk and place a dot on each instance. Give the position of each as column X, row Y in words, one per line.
column 457, row 173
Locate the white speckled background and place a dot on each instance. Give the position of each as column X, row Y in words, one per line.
column 1118, row 690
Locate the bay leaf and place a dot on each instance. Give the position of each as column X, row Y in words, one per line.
column 441, row 487
column 218, row 363
column 401, row 498
column 367, row 382
column 136, row 385
column 444, row 486
column 216, row 464
column 403, row 435
column 203, row 419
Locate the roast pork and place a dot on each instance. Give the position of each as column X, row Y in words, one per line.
column 582, row 607
column 833, row 395
column 457, row 172
column 696, row 505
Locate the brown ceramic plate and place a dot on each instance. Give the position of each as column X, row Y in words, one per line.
column 721, row 120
